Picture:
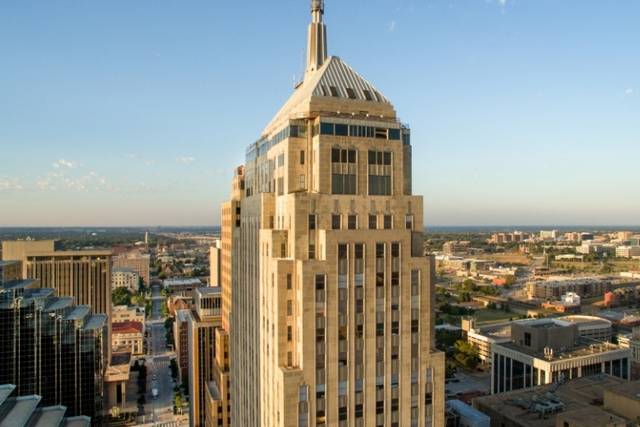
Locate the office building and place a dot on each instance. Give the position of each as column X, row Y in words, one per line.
column 332, row 297
column 215, row 252
column 455, row 247
column 594, row 401
column 18, row 411
column 181, row 339
column 52, row 348
column 203, row 321
column 10, row 270
column 551, row 350
column 123, row 313
column 136, row 261
column 123, row 277
column 83, row 275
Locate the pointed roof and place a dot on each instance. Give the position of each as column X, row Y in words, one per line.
column 335, row 80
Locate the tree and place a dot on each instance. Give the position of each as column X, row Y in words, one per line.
column 121, row 296
column 466, row 354
column 469, row 285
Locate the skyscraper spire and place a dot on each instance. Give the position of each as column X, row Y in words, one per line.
column 317, row 43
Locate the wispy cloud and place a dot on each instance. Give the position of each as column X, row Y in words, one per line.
column 391, row 27
column 185, row 160
column 10, row 184
column 62, row 163
column 502, row 3
column 143, row 160
column 628, row 92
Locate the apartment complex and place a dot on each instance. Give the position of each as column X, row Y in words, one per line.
column 52, row 348
column 123, row 277
column 83, row 275
column 332, row 296
column 551, row 350
column 136, row 261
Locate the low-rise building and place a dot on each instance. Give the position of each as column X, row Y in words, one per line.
column 124, row 313
column 543, row 351
column 127, row 336
column 594, row 401
column 568, row 303
column 459, row 414
column 184, row 286
column 586, row 287
column 627, row 251
column 455, row 247
column 125, row 278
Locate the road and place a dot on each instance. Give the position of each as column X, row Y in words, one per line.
column 160, row 409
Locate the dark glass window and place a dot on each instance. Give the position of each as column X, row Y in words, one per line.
column 335, row 222
column 335, row 155
column 334, row 91
column 367, row 95
column 302, row 157
column 351, row 156
column 312, row 222
column 326, row 128
column 394, row 134
column 352, row 222
column 387, row 158
column 342, row 130
column 387, row 222
column 351, row 93
column 373, row 222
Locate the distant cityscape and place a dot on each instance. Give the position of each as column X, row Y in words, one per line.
column 321, row 299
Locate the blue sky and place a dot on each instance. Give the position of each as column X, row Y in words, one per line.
column 127, row 112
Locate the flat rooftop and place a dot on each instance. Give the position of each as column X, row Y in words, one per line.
column 577, row 394
column 579, row 351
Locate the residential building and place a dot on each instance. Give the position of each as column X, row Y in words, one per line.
column 215, row 253
column 28, row 411
column 83, row 275
column 628, row 251
column 459, row 414
column 455, row 247
column 125, row 278
column 550, row 350
column 549, row 234
column 203, row 321
column 594, row 401
column 137, row 261
column 52, row 348
column 332, row 296
column 123, row 313
column 586, row 287
column 128, row 335
column 568, row 303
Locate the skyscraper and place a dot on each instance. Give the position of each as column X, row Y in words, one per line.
column 51, row 347
column 332, row 308
column 84, row 275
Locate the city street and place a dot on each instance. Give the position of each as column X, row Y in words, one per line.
column 158, row 410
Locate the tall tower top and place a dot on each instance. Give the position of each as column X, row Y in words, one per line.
column 317, row 41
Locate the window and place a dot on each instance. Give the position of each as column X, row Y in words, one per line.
column 281, row 160
column 302, row 181
column 342, row 130
column 312, row 222
column 302, row 157
column 408, row 222
column 373, row 222
column 352, row 222
column 394, row 134
column 367, row 95
column 326, row 128
column 289, row 307
column 527, row 339
column 312, row 251
column 343, row 178
column 335, row 222
column 351, row 93
column 334, row 91
column 379, row 173
column 289, row 333
column 280, row 186
column 387, row 222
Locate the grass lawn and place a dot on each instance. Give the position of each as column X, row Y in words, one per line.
column 494, row 316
